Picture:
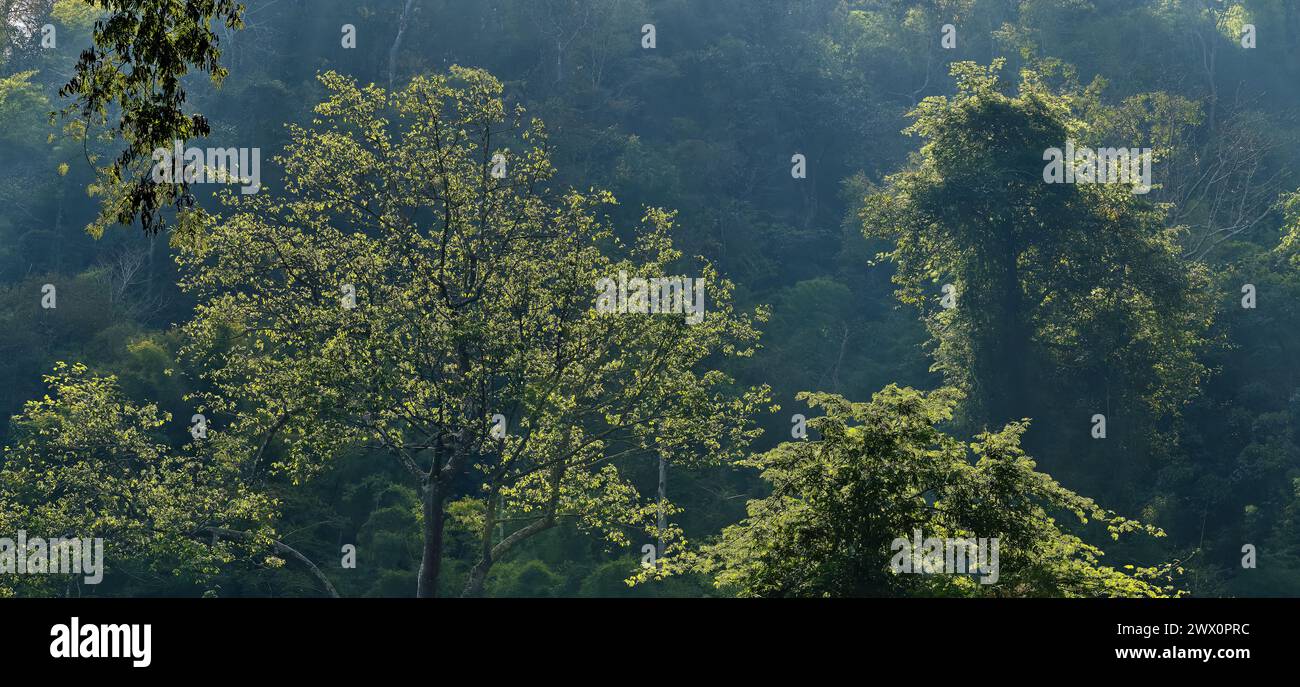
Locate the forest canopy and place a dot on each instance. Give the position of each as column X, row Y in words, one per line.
column 652, row 298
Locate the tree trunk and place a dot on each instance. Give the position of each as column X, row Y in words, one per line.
column 478, row 574
column 1015, row 345
column 397, row 42
column 477, row 579
column 280, row 547
column 431, row 562
column 491, row 554
column 663, row 496
column 1001, row 345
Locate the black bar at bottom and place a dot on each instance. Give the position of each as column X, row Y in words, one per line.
column 645, row 639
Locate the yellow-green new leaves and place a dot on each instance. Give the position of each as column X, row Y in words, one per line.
column 85, row 462
column 883, row 470
column 416, row 278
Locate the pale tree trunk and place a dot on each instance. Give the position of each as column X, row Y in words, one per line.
column 280, row 547
column 397, row 42
column 663, row 495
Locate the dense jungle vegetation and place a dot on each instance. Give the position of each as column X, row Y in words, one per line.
column 404, row 387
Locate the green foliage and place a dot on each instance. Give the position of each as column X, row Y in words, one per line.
column 132, row 73
column 75, row 14
column 1128, row 306
column 883, row 469
column 85, row 462
column 474, row 296
column 1080, row 284
column 21, row 101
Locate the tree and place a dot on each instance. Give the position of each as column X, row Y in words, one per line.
column 400, row 294
column 1077, row 284
column 85, row 462
column 882, row 470
column 141, row 50
column 20, row 22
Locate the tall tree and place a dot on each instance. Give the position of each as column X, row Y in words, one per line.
column 1079, row 284
column 418, row 287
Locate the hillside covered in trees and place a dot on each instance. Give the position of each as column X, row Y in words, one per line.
column 652, row 297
